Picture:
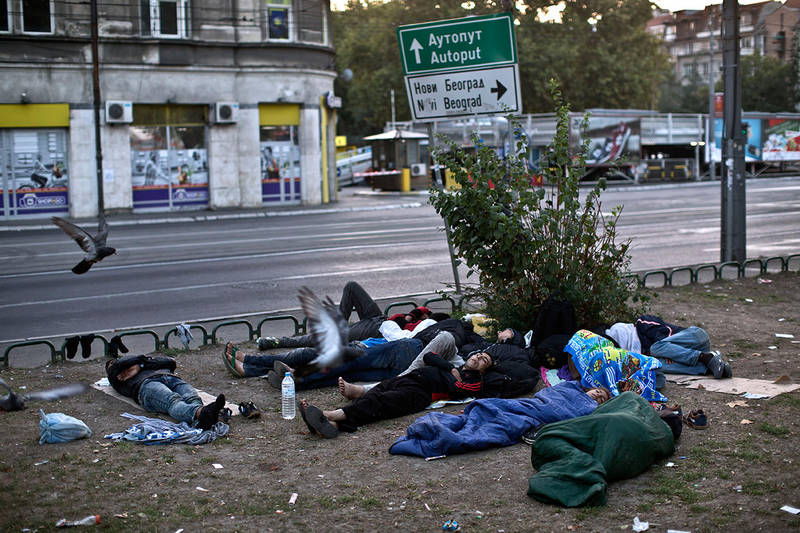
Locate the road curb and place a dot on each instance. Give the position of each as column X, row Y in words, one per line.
column 222, row 216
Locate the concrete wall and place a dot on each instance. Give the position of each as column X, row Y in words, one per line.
column 82, row 164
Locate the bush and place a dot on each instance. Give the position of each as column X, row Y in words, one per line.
column 525, row 242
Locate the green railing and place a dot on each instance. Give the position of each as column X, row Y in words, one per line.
column 666, row 278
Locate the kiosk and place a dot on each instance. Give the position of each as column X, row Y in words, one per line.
column 399, row 161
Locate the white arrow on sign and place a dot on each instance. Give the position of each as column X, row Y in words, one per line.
column 416, row 47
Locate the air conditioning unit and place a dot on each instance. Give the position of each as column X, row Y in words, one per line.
column 419, row 169
column 226, row 112
column 118, row 112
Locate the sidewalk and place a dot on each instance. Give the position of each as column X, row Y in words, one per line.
column 353, row 198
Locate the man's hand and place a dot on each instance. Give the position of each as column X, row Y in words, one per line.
column 129, row 372
column 505, row 335
column 456, row 374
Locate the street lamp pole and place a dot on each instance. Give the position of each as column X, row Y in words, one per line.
column 711, row 107
column 96, row 90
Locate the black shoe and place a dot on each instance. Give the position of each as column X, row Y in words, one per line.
column 225, row 415
column 209, row 415
column 71, row 344
column 267, row 343
column 719, row 367
column 529, row 436
column 249, row 410
column 115, row 346
column 86, row 345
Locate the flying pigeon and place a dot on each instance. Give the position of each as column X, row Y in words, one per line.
column 14, row 402
column 328, row 328
column 95, row 247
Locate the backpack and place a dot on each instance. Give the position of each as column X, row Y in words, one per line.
column 550, row 352
column 556, row 316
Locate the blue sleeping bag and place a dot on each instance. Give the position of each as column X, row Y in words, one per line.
column 492, row 422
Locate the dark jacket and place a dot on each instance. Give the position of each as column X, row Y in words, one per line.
column 505, row 379
column 462, row 333
column 651, row 329
column 150, row 367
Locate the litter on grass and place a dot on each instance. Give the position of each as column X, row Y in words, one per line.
column 784, row 335
column 790, row 509
column 638, row 525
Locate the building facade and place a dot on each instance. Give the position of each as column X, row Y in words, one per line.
column 205, row 104
column 692, row 37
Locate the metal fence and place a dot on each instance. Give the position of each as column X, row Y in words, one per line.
column 652, row 279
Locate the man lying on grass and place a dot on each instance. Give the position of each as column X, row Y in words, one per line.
column 438, row 379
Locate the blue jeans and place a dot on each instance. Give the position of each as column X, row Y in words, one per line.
column 259, row 365
column 379, row 362
column 172, row 396
column 682, row 351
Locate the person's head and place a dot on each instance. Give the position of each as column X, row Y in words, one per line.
column 673, row 420
column 399, row 319
column 599, row 394
column 480, row 361
column 438, row 317
column 418, row 313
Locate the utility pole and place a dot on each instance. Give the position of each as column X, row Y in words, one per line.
column 711, row 107
column 733, row 235
column 96, row 90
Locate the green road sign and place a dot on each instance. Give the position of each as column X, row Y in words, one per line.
column 457, row 44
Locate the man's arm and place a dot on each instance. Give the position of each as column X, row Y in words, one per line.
column 434, row 359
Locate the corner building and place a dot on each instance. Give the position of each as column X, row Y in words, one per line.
column 205, row 104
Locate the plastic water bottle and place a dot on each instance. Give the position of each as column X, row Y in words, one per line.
column 287, row 397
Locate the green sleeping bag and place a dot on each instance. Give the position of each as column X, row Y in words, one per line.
column 576, row 459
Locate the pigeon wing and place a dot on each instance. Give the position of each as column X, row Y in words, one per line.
column 324, row 329
column 341, row 323
column 102, row 233
column 56, row 394
column 78, row 234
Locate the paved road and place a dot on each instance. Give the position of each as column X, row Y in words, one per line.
column 190, row 270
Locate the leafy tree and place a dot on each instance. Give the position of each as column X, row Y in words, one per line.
column 614, row 63
column 526, row 243
column 688, row 97
column 767, row 84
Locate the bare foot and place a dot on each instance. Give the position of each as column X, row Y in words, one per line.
column 350, row 391
column 232, row 353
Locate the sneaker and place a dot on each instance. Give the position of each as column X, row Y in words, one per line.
column 529, row 436
column 267, row 343
column 249, row 410
column 225, row 415
column 209, row 415
column 719, row 367
column 696, row 419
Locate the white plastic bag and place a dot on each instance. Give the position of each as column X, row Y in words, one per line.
column 58, row 427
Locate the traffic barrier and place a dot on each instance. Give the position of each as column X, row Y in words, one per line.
column 667, row 279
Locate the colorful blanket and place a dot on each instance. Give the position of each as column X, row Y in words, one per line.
column 492, row 422
column 600, row 364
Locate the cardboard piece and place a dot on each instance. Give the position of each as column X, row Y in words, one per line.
column 103, row 386
column 733, row 385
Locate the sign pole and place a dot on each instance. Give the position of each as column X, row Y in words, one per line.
column 440, row 184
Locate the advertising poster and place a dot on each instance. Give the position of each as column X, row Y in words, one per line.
column 612, row 140
column 280, row 164
column 781, row 140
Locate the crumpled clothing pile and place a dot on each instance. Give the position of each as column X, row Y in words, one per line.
column 152, row 431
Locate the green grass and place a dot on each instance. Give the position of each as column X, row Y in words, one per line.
column 777, row 431
column 788, row 400
column 645, row 507
column 667, row 487
column 585, row 513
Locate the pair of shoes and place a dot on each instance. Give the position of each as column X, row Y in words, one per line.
column 317, row 422
column 230, row 361
column 71, row 346
column 249, row 410
column 696, row 419
column 719, row 367
column 209, row 415
column 267, row 343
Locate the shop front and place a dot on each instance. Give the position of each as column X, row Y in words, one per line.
column 169, row 157
column 33, row 160
column 280, row 153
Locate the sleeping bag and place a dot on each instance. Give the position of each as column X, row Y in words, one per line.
column 576, row 459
